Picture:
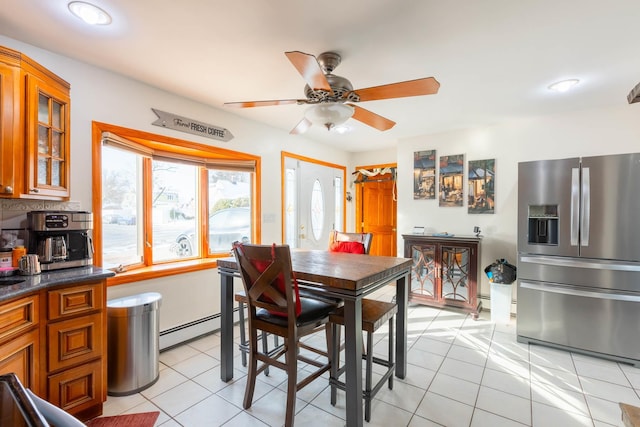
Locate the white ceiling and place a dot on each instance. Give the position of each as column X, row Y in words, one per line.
column 493, row 58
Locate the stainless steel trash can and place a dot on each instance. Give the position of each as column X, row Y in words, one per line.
column 133, row 346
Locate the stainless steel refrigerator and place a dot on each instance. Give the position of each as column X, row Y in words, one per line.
column 579, row 255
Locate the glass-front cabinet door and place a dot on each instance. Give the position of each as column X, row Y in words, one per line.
column 455, row 273
column 424, row 271
column 47, row 139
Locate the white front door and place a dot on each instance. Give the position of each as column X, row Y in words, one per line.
column 313, row 203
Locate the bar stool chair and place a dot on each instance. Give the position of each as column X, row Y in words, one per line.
column 241, row 299
column 374, row 314
column 338, row 242
column 276, row 307
column 349, row 242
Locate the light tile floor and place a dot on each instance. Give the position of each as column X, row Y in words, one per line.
column 461, row 372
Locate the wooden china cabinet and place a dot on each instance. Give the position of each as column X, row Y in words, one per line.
column 445, row 271
column 34, row 129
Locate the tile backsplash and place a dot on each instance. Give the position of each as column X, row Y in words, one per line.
column 13, row 216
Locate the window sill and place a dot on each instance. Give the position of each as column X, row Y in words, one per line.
column 162, row 270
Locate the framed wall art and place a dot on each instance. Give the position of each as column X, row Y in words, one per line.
column 424, row 175
column 451, row 180
column 482, row 176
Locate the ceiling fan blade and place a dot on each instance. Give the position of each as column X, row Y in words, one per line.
column 301, row 127
column 371, row 119
column 308, row 67
column 426, row 86
column 249, row 104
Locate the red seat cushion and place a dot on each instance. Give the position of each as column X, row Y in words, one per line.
column 261, row 265
column 351, row 247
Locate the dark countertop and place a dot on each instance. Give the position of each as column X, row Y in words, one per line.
column 9, row 289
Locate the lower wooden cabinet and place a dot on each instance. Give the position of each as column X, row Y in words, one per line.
column 78, row 390
column 57, row 349
column 445, row 271
column 20, row 356
column 20, row 340
column 74, row 341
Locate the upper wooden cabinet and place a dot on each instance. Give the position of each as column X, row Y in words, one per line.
column 34, row 127
column 9, row 125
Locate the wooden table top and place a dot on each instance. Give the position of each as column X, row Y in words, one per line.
column 339, row 270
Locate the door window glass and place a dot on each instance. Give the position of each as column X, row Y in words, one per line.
column 339, row 204
column 317, row 209
column 290, row 208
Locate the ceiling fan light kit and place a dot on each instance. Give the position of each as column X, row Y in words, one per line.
column 329, row 115
column 327, row 94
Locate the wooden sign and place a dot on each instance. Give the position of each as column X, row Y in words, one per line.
column 194, row 127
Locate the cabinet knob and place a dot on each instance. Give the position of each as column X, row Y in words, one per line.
column 35, row 190
column 8, row 189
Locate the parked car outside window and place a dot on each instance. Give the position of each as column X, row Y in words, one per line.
column 226, row 226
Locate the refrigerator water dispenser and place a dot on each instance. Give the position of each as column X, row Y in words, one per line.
column 543, row 224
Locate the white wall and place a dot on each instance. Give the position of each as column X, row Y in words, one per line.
column 99, row 95
column 594, row 132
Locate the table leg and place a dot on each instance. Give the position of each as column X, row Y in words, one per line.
column 226, row 327
column 353, row 361
column 402, row 296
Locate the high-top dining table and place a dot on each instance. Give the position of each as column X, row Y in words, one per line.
column 350, row 277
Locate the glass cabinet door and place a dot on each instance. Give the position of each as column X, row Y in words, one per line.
column 48, row 138
column 423, row 271
column 455, row 273
column 50, row 142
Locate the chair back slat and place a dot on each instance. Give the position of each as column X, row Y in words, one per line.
column 267, row 277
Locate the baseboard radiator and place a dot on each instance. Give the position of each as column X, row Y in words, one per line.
column 191, row 331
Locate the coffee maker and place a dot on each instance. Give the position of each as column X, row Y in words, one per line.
column 61, row 239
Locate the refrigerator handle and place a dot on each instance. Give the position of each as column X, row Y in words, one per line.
column 585, row 208
column 575, row 200
column 578, row 292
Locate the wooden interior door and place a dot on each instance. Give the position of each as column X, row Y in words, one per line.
column 376, row 207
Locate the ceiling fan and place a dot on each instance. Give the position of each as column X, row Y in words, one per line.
column 332, row 97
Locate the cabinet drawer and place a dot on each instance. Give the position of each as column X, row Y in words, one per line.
column 75, row 300
column 18, row 316
column 74, row 341
column 77, row 389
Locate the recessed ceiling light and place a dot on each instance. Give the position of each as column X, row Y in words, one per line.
column 89, row 13
column 564, row 85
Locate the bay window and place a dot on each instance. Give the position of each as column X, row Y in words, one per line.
column 161, row 202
